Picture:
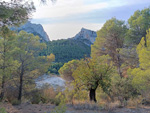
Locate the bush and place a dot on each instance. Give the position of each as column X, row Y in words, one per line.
column 48, row 95
column 36, row 96
column 60, row 101
column 15, row 102
column 74, row 94
column 11, row 94
column 60, row 109
column 134, row 102
column 3, row 110
column 122, row 89
column 45, row 95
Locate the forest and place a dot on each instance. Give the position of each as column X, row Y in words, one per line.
column 65, row 50
column 114, row 72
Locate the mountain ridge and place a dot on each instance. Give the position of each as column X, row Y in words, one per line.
column 86, row 36
column 36, row 29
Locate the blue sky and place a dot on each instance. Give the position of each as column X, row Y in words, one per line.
column 65, row 18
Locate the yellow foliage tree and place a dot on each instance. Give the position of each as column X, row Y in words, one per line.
column 141, row 74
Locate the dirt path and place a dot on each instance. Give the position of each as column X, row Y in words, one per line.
column 47, row 108
column 28, row 108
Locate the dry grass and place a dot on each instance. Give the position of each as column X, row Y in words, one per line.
column 134, row 103
column 49, row 94
column 111, row 105
column 85, row 105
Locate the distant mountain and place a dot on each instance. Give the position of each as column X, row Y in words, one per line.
column 73, row 48
column 36, row 29
column 66, row 50
column 86, row 36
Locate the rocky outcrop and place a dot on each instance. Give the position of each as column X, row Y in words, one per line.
column 36, row 29
column 86, row 36
column 54, row 81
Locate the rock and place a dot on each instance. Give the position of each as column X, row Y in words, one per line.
column 54, row 81
column 86, row 36
column 36, row 29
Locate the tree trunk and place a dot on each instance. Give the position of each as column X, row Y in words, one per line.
column 119, row 71
column 21, row 83
column 3, row 84
column 92, row 95
column 119, row 65
column 4, row 75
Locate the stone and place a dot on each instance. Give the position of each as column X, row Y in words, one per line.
column 86, row 36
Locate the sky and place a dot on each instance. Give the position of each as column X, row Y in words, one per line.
column 65, row 18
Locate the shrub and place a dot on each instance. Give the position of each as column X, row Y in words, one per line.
column 60, row 109
column 122, row 89
column 134, row 102
column 45, row 95
column 48, row 95
column 74, row 94
column 11, row 94
column 36, row 96
column 60, row 101
column 15, row 102
column 3, row 110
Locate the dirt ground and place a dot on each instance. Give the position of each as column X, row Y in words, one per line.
column 47, row 108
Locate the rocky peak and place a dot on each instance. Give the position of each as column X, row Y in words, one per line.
column 87, row 36
column 36, row 29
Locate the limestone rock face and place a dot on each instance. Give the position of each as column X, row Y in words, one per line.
column 86, row 36
column 54, row 81
column 36, row 29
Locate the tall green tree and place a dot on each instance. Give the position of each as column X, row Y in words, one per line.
column 109, row 41
column 139, row 23
column 27, row 55
column 7, row 63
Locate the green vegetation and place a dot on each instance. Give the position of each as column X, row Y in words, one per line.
column 141, row 74
column 2, row 110
column 110, row 40
column 116, row 71
column 66, row 50
column 138, row 25
column 54, row 67
column 20, row 62
column 15, row 13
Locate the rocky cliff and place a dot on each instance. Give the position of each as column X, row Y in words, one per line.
column 36, row 29
column 86, row 36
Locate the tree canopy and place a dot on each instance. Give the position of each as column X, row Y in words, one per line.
column 141, row 74
column 15, row 13
column 110, row 40
column 139, row 23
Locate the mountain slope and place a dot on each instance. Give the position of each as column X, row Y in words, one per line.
column 67, row 49
column 36, row 29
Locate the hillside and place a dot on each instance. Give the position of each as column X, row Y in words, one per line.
column 36, row 29
column 67, row 49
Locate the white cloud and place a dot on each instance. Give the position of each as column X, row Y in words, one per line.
column 68, row 30
column 65, row 7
